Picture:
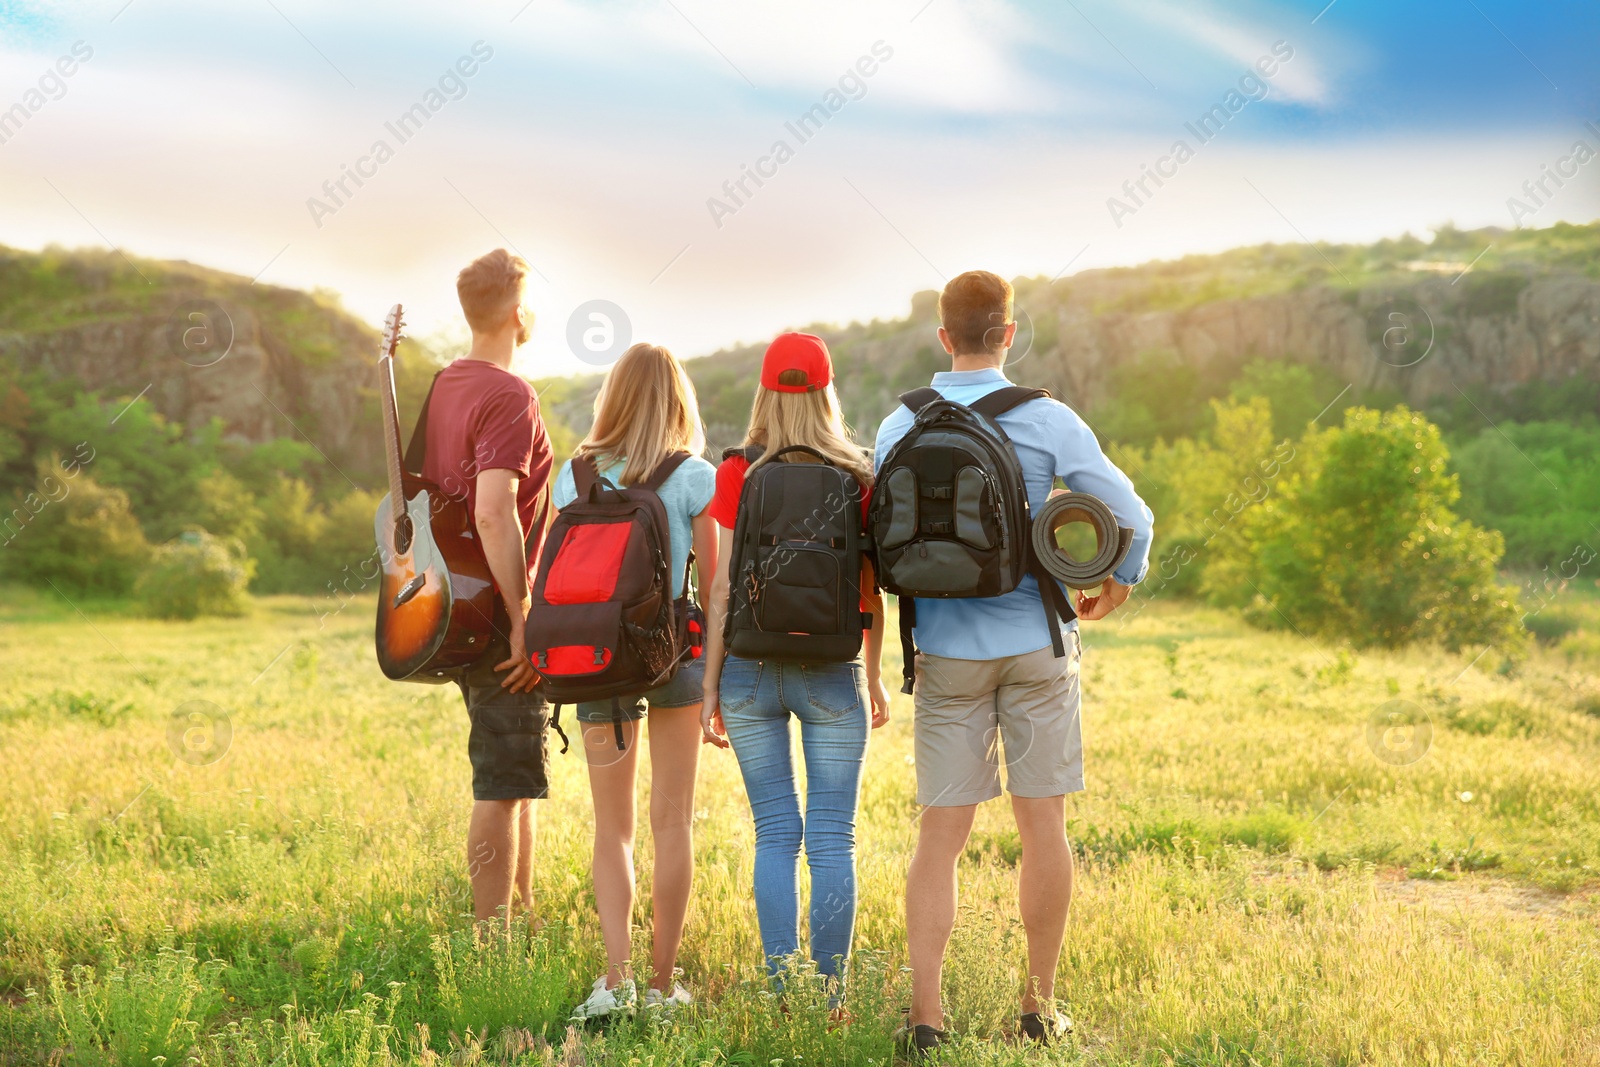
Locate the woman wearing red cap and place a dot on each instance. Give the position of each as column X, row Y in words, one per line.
column 748, row 702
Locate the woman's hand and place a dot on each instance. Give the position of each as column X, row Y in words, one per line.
column 712, row 732
column 879, row 693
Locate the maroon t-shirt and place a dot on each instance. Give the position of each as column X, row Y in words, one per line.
column 484, row 418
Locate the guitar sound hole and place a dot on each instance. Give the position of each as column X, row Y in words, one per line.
column 402, row 534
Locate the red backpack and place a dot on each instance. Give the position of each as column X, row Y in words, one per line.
column 604, row 622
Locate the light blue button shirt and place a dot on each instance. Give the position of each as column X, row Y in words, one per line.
column 686, row 493
column 1051, row 442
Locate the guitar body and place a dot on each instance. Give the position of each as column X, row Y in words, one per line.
column 437, row 601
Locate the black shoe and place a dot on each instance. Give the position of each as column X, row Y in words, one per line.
column 918, row 1042
column 1044, row 1029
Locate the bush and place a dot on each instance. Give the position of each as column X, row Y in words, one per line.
column 303, row 546
column 74, row 532
column 197, row 574
column 500, row 983
column 1360, row 544
column 135, row 1012
column 1539, row 484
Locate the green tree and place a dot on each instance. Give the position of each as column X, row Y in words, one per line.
column 1361, row 544
column 226, row 507
column 142, row 454
column 75, row 532
column 1538, row 484
column 1296, row 392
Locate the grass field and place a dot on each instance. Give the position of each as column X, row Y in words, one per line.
column 1257, row 885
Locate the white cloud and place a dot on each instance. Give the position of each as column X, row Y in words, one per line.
column 1300, row 79
column 953, row 54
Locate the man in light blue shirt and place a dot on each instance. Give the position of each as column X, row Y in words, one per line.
column 986, row 671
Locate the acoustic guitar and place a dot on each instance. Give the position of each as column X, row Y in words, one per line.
column 437, row 603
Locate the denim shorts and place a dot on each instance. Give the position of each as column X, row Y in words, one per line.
column 681, row 692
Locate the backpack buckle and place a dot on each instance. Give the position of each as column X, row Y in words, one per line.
column 540, row 661
column 599, row 656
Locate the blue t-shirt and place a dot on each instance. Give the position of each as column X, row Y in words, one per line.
column 1051, row 442
column 686, row 493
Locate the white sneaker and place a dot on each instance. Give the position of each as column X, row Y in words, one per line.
column 604, row 1002
column 654, row 1000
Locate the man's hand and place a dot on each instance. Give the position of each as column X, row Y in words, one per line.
column 1112, row 594
column 522, row 677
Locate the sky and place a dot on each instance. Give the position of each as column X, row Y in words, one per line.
column 630, row 149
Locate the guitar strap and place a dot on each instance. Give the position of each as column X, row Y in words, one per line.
column 417, row 450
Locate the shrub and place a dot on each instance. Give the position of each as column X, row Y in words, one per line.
column 1539, row 484
column 197, row 574
column 303, row 546
column 501, row 983
column 135, row 1012
column 1549, row 627
column 1360, row 543
column 75, row 532
column 225, row 506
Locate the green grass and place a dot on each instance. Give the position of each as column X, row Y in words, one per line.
column 1256, row 886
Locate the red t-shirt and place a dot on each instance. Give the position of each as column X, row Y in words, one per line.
column 483, row 417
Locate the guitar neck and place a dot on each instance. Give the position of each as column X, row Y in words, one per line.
column 391, row 439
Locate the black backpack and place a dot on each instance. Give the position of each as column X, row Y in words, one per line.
column 604, row 623
column 795, row 576
column 950, row 515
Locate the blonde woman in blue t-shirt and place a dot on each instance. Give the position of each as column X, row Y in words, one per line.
column 647, row 409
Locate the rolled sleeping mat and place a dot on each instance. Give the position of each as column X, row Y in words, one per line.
column 1111, row 541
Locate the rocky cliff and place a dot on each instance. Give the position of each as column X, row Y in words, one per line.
column 1471, row 311
column 198, row 345
column 1372, row 337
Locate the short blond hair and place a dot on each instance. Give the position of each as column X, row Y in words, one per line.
column 490, row 287
column 974, row 310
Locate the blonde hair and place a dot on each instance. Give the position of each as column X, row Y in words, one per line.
column 646, row 409
column 490, row 287
column 813, row 419
column 974, row 310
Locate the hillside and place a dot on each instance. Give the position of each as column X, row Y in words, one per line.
column 1526, row 313
column 113, row 326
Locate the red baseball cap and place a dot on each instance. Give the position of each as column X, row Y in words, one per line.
column 805, row 352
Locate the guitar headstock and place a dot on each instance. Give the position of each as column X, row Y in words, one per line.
column 393, row 329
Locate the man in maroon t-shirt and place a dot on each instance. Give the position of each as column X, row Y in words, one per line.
column 487, row 445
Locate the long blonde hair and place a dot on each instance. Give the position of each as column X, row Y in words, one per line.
column 813, row 419
column 646, row 409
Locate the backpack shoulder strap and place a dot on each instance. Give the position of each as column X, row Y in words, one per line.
column 664, row 471
column 917, row 399
column 1003, row 400
column 751, row 454
column 417, row 450
column 585, row 474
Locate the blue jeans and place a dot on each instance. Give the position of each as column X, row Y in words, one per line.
column 830, row 700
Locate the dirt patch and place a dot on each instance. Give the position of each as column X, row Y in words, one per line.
column 1488, row 894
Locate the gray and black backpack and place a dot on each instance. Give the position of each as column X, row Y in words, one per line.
column 950, row 515
column 795, row 576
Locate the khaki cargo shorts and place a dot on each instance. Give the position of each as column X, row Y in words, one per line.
column 967, row 709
